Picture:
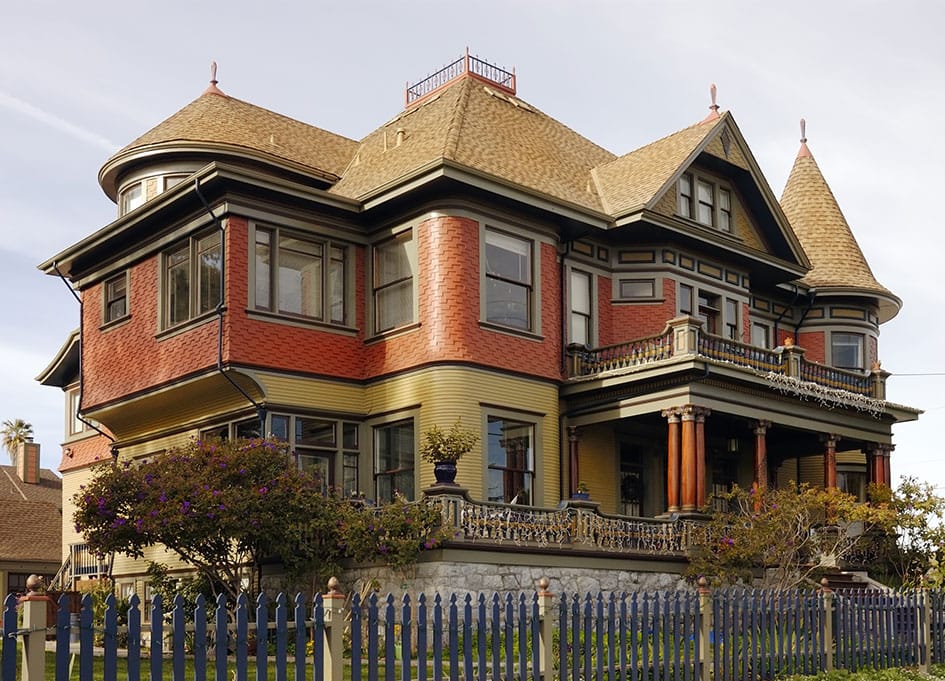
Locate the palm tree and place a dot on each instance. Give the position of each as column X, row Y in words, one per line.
column 15, row 432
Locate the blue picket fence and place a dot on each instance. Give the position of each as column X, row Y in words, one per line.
column 673, row 636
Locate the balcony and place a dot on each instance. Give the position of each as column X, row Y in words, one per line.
column 684, row 339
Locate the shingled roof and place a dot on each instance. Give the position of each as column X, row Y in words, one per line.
column 31, row 525
column 635, row 179
column 217, row 118
column 836, row 259
column 471, row 124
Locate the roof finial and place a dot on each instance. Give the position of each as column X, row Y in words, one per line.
column 803, row 152
column 714, row 107
column 212, row 88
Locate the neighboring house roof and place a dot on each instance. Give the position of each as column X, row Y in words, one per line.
column 470, row 124
column 215, row 117
column 31, row 524
column 836, row 259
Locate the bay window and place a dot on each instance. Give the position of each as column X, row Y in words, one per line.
column 508, row 280
column 511, row 460
column 395, row 263
column 192, row 278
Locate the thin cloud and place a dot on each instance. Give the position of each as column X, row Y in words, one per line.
column 53, row 121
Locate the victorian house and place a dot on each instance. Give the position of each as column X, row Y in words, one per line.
column 654, row 325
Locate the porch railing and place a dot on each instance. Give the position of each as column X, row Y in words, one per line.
column 685, row 338
column 570, row 527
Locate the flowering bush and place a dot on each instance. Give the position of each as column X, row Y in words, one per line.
column 225, row 506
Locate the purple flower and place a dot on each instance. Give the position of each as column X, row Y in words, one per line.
column 263, row 490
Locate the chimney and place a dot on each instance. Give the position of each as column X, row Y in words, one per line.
column 27, row 462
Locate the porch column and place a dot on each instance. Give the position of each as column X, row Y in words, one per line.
column 701, row 413
column 885, row 455
column 672, row 459
column 761, row 455
column 830, row 461
column 573, row 466
column 688, row 478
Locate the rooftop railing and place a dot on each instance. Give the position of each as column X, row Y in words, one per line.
column 504, row 80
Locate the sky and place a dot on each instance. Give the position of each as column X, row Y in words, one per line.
column 80, row 80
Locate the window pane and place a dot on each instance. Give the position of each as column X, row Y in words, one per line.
column 300, row 277
column 581, row 292
column 116, row 300
column 209, row 253
column 760, row 336
column 177, row 285
column 394, row 265
column 685, row 299
column 263, row 298
column 336, row 285
column 510, row 460
column 279, row 427
column 314, row 432
column 507, row 304
column 705, row 202
column 508, row 257
column 248, row 428
column 847, row 350
column 579, row 328
column 393, row 460
column 684, row 207
column 637, row 288
column 132, row 197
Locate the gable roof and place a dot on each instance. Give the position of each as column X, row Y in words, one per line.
column 836, row 259
column 480, row 128
column 636, row 180
column 38, row 506
column 217, row 118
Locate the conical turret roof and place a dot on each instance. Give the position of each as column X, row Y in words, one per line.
column 837, row 262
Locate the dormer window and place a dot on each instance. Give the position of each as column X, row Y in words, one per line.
column 705, row 201
column 136, row 192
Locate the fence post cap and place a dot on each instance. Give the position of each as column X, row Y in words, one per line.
column 333, row 587
column 703, row 585
column 543, row 584
column 825, row 585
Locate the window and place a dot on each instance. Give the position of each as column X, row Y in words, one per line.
column 851, row 478
column 76, row 425
column 760, row 335
column 581, row 307
column 684, row 201
column 395, row 263
column 394, row 461
column 637, row 288
column 131, row 197
column 685, row 299
column 116, row 298
column 508, row 280
column 173, row 180
column 708, row 311
column 192, row 279
column 300, row 276
column 705, row 201
column 511, row 460
column 846, row 350
column 731, row 320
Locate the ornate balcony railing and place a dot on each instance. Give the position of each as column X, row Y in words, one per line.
column 567, row 528
column 502, row 79
column 684, row 338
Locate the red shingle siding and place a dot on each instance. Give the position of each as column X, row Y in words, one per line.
column 128, row 358
column 605, row 311
column 640, row 320
column 814, row 346
column 84, row 452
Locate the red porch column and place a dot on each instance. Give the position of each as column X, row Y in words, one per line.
column 701, row 413
column 573, row 466
column 886, row 458
column 761, row 455
column 687, row 476
column 672, row 459
column 830, row 461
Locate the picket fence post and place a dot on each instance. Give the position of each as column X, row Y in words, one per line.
column 706, row 646
column 829, row 643
column 34, row 608
column 545, row 629
column 334, row 608
column 924, row 615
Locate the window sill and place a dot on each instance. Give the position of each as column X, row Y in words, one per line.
column 115, row 323
column 635, row 301
column 511, row 331
column 188, row 325
column 392, row 333
column 301, row 322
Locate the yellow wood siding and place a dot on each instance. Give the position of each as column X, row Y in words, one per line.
column 313, row 393
column 597, row 464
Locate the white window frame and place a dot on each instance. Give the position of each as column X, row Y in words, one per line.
column 408, row 283
column 586, row 317
column 761, row 327
column 376, row 430
column 836, row 343
column 530, row 280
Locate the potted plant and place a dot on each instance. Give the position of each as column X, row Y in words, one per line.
column 444, row 448
column 582, row 491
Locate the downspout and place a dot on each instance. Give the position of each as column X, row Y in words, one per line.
column 220, row 309
column 811, row 296
column 784, row 312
